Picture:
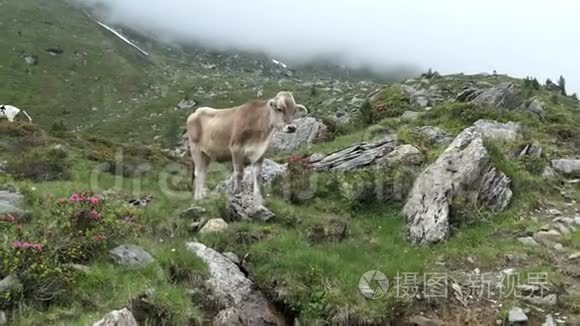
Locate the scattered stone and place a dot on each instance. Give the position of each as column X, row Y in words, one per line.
column 536, row 108
column 80, row 268
column 574, row 256
column 10, row 202
column 228, row 317
column 329, row 229
column 234, row 291
column 309, row 130
column 193, row 213
column 418, row 98
column 3, row 319
column 555, row 212
column 457, row 171
column 186, row 104
column 547, row 237
column 31, row 60
column 547, row 300
column 563, row 229
column 568, row 167
column 503, row 95
column 356, row 156
column 549, row 321
column 495, row 192
column 531, row 150
column 558, row 247
column 419, row 320
column 410, row 115
column 577, row 220
column 548, row 173
column 122, row 317
column 270, row 171
column 214, row 225
column 244, row 206
column 402, row 154
column 528, row 241
column 233, row 257
column 9, row 284
column 131, row 255
column 493, row 130
column 434, row 135
column 517, row 315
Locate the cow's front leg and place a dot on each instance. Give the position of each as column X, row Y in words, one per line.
column 256, row 174
column 238, row 162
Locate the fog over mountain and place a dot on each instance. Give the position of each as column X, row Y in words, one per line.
column 517, row 37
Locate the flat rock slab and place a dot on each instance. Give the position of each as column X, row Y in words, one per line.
column 131, row 255
column 567, row 167
column 244, row 304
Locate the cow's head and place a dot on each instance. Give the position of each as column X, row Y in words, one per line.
column 284, row 110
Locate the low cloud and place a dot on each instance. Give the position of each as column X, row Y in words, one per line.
column 517, row 37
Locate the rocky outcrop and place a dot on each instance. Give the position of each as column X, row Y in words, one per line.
column 270, row 170
column 402, row 154
column 131, row 255
column 245, row 206
column 433, row 135
column 243, row 303
column 418, row 98
column 356, row 156
column 493, row 130
column 10, row 202
column 463, row 169
column 9, row 284
column 503, row 96
column 214, row 225
column 567, row 167
column 309, row 130
column 537, row 109
column 122, row 317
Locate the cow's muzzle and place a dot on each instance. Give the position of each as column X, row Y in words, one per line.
column 289, row 129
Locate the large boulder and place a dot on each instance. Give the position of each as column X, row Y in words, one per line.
column 537, row 108
column 493, row 130
column 463, row 169
column 503, row 96
column 122, row 317
column 243, row 303
column 214, row 225
column 567, row 167
column 246, row 206
column 418, row 98
column 131, row 255
column 10, row 202
column 309, row 130
column 356, row 156
column 270, row 170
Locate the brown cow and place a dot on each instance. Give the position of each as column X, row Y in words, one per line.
column 241, row 134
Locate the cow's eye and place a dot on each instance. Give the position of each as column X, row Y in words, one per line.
column 279, row 109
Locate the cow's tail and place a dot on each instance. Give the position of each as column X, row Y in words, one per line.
column 26, row 114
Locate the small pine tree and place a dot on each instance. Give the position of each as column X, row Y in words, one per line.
column 535, row 84
column 313, row 91
column 574, row 96
column 562, row 85
column 366, row 113
column 548, row 82
column 527, row 82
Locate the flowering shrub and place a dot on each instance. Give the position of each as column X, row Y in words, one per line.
column 70, row 230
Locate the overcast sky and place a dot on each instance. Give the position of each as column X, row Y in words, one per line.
column 518, row 37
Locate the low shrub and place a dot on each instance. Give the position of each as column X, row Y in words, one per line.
column 71, row 231
column 40, row 164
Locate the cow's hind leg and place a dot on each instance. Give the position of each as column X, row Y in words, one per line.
column 238, row 162
column 201, row 164
column 256, row 173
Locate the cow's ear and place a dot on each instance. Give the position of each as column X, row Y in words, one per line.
column 272, row 103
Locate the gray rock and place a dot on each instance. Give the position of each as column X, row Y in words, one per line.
column 193, row 213
column 458, row 171
column 122, row 317
column 531, row 150
column 548, row 173
column 235, row 291
column 3, row 319
column 245, row 206
column 356, row 156
column 574, row 256
column 315, row 157
column 517, row 315
column 537, row 108
column 495, row 192
column 563, row 229
column 214, row 225
column 547, row 300
column 468, row 94
column 434, row 135
column 10, row 202
column 31, row 60
column 418, row 98
column 131, row 255
column 549, row 321
column 501, row 96
column 547, row 237
column 228, row 317
column 233, row 257
column 402, row 154
column 270, row 171
column 528, row 241
column 309, row 130
column 567, row 167
column 9, row 284
column 410, row 115
column 493, row 130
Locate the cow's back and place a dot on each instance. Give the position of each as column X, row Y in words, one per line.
column 211, row 129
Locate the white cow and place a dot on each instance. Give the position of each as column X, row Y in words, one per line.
column 10, row 112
